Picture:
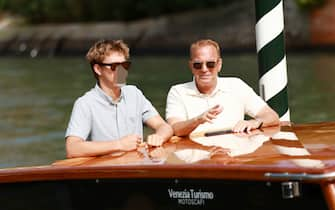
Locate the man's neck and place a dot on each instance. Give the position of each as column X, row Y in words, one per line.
column 207, row 89
column 113, row 91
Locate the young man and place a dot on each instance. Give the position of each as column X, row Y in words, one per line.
column 110, row 116
column 212, row 103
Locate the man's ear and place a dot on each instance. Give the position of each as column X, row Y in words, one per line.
column 220, row 64
column 190, row 65
column 97, row 69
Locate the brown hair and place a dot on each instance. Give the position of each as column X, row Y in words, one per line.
column 205, row 42
column 103, row 48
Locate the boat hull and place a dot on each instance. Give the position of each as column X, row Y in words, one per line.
column 156, row 194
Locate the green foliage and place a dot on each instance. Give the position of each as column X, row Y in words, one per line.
column 309, row 4
column 101, row 10
column 2, row 4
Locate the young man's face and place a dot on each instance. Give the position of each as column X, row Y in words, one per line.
column 112, row 71
column 205, row 65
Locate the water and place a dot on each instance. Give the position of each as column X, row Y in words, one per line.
column 37, row 95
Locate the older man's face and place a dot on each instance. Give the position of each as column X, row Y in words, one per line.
column 205, row 65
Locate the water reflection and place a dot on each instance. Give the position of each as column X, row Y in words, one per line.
column 37, row 95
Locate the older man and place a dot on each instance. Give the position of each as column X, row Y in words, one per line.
column 210, row 102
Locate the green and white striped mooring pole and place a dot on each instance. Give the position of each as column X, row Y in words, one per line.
column 270, row 45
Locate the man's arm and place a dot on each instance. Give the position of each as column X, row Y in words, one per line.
column 78, row 147
column 265, row 117
column 163, row 131
column 185, row 127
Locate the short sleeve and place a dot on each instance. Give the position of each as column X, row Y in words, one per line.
column 80, row 121
column 148, row 110
column 174, row 104
column 253, row 103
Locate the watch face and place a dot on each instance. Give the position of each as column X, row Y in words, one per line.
column 122, row 74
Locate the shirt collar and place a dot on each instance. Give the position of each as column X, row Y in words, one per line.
column 220, row 87
column 101, row 94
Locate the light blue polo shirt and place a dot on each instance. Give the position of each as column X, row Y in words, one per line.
column 96, row 117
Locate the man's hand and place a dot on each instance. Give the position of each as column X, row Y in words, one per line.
column 130, row 142
column 155, row 140
column 247, row 125
column 210, row 114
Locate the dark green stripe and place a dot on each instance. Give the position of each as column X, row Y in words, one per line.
column 279, row 102
column 264, row 6
column 271, row 54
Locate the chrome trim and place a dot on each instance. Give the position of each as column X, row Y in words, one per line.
column 301, row 176
column 290, row 189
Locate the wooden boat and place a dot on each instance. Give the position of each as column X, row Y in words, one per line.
column 282, row 172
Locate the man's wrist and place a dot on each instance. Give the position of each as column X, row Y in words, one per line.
column 117, row 145
column 197, row 120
